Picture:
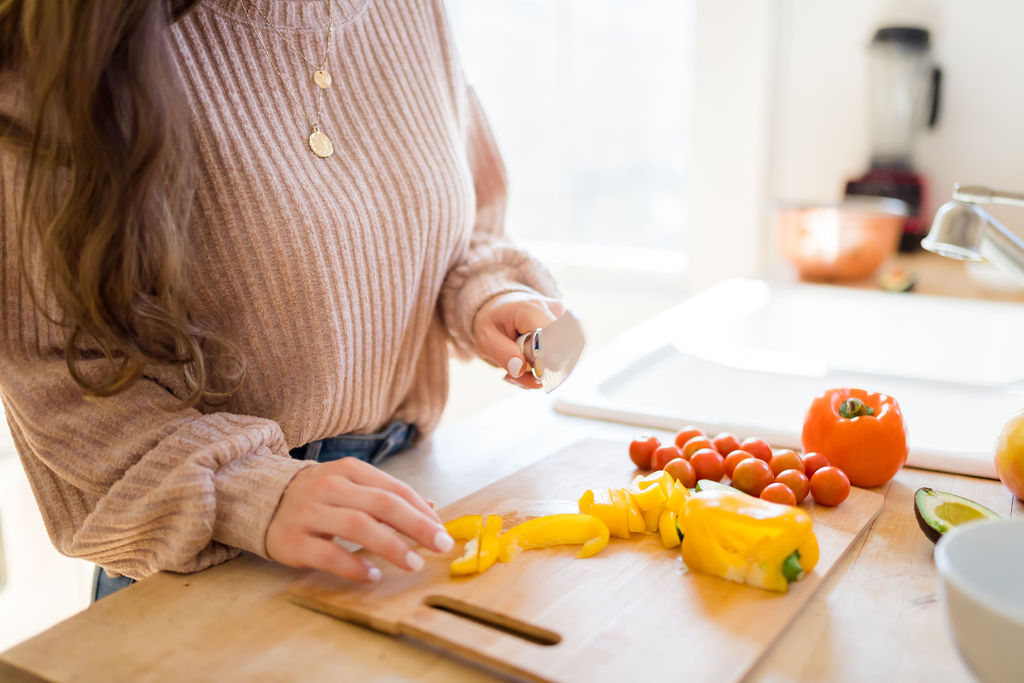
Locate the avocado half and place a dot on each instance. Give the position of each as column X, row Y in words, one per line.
column 938, row 511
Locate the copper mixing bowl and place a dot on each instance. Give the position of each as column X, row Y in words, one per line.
column 844, row 241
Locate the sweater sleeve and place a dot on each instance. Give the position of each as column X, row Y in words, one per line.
column 491, row 265
column 130, row 482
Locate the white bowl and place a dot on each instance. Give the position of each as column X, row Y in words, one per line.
column 981, row 565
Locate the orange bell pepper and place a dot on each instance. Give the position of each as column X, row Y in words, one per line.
column 860, row 432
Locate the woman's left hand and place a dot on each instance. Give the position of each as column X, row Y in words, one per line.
column 501, row 320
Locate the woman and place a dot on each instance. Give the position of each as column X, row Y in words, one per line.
column 239, row 237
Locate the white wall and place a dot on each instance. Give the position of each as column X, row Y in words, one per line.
column 820, row 128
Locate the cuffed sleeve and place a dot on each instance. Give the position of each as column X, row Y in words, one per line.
column 137, row 485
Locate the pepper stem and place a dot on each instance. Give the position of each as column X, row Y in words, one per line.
column 791, row 569
column 854, row 407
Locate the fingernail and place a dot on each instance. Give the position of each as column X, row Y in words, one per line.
column 373, row 575
column 443, row 542
column 413, row 561
column 515, row 366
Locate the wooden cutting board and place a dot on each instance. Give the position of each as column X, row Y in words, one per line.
column 632, row 612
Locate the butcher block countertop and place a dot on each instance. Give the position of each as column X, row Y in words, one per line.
column 875, row 616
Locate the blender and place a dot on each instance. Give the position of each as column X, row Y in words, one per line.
column 904, row 99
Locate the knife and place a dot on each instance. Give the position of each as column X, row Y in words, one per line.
column 552, row 351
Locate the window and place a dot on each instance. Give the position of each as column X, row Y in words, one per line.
column 589, row 102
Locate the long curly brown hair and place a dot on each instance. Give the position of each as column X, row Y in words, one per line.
column 108, row 189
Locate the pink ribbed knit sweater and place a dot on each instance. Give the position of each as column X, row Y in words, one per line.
column 344, row 280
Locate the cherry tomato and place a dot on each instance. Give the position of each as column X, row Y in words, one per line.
column 695, row 444
column 759, row 448
column 814, row 462
column 752, row 476
column 830, row 486
column 735, row 458
column 725, row 444
column 685, row 434
column 662, row 454
column 778, row 493
column 708, row 464
column 640, row 451
column 796, row 481
column 681, row 470
column 786, row 459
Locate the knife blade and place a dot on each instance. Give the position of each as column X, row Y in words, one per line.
column 552, row 351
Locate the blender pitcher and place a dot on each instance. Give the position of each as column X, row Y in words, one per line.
column 903, row 100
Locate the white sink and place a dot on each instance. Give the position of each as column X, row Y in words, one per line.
column 748, row 358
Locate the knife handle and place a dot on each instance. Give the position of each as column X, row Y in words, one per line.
column 529, row 344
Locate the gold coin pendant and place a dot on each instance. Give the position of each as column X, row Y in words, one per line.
column 321, row 144
column 322, row 79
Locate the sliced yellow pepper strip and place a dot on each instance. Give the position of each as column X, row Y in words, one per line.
column 620, row 501
column 677, row 499
column 651, row 518
column 469, row 563
column 667, row 529
column 662, row 478
column 634, row 518
column 602, row 507
column 489, row 543
column 745, row 539
column 647, row 498
column 464, row 528
column 555, row 530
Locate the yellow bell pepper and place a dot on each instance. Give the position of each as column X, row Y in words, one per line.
column 647, row 498
column 489, row 543
column 651, row 518
column 602, row 506
column 667, row 528
column 677, row 499
column 748, row 540
column 555, row 530
column 661, row 478
column 464, row 528
column 481, row 551
column 469, row 563
column 621, row 499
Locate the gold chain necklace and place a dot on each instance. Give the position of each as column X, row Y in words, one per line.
column 319, row 143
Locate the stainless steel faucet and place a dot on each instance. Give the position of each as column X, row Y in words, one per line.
column 963, row 230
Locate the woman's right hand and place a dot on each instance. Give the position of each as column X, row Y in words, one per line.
column 354, row 501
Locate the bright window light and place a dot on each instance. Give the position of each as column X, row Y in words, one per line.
column 589, row 102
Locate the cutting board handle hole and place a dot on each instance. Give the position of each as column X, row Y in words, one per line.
column 499, row 622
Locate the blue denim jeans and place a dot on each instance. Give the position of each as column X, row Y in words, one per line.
column 371, row 448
